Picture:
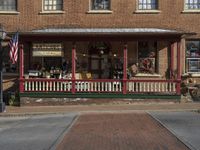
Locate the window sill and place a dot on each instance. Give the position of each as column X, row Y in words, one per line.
column 9, row 12
column 147, row 11
column 52, row 12
column 191, row 11
column 99, row 12
column 191, row 74
column 148, row 75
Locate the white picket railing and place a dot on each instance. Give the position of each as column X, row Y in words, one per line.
column 151, row 87
column 100, row 86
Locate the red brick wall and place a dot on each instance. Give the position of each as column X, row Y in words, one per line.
column 123, row 15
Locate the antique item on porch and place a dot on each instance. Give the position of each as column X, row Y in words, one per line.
column 55, row 72
column 146, row 65
column 34, row 73
column 133, row 70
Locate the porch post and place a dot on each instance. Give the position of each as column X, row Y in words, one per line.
column 125, row 70
column 178, row 68
column 73, row 68
column 172, row 61
column 21, row 70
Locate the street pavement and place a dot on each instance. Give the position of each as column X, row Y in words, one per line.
column 185, row 125
column 33, row 132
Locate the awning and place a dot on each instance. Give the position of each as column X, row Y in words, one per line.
column 105, row 31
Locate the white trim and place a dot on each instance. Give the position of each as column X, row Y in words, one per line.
column 191, row 74
column 52, row 12
column 191, row 11
column 9, row 12
column 99, row 12
column 148, row 75
column 148, row 11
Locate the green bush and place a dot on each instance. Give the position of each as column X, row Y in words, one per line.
column 14, row 99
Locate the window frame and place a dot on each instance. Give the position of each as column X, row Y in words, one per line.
column 11, row 11
column 185, row 10
column 192, row 57
column 52, row 11
column 153, row 11
column 154, row 58
column 101, row 11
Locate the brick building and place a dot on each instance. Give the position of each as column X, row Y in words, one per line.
column 104, row 48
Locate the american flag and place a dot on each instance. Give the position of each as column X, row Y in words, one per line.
column 14, row 48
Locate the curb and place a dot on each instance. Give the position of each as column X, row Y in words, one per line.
column 89, row 111
column 65, row 131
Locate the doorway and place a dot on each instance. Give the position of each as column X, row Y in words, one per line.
column 99, row 60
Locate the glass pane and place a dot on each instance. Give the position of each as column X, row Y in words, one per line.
column 8, row 5
column 100, row 4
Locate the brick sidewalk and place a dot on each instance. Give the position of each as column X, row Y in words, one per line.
column 126, row 131
column 100, row 108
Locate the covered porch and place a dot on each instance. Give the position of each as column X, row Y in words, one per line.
column 118, row 63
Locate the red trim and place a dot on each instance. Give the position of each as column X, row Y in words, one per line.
column 97, row 80
column 172, row 61
column 73, row 68
column 21, row 71
column 125, row 70
column 178, row 89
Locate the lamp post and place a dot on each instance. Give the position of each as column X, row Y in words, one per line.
column 2, row 36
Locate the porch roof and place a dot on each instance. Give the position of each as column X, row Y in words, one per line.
column 103, row 31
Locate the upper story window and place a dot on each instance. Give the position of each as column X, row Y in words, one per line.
column 52, row 5
column 148, row 4
column 8, row 5
column 100, row 4
column 192, row 4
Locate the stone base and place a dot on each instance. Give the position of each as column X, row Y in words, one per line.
column 30, row 101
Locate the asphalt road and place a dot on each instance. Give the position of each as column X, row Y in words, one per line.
column 33, row 133
column 185, row 125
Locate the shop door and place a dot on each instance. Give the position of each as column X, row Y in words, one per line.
column 99, row 60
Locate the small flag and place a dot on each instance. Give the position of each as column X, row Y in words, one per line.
column 14, row 48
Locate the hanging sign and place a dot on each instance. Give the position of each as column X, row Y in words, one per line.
column 47, row 50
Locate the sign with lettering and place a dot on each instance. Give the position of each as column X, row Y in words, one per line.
column 47, row 50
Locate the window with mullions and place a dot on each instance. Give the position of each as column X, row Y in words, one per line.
column 100, row 4
column 52, row 5
column 8, row 5
column 193, row 56
column 148, row 4
column 192, row 4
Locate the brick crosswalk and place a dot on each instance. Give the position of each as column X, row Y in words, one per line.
column 124, row 131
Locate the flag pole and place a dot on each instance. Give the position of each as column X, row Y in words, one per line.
column 2, row 36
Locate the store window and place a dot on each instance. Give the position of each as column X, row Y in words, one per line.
column 147, row 57
column 52, row 5
column 192, row 4
column 147, row 4
column 193, row 56
column 8, row 5
column 100, row 4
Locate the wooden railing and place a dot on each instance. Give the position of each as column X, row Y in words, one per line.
column 99, row 86
column 151, row 86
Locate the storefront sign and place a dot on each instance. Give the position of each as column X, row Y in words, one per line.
column 47, row 50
